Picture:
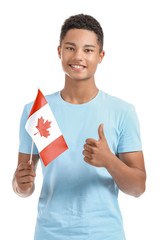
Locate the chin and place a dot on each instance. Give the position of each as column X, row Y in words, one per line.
column 78, row 78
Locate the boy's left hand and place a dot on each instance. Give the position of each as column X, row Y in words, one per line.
column 97, row 152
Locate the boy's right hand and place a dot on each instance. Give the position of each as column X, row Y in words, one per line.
column 24, row 177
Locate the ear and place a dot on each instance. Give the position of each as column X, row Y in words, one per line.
column 59, row 51
column 101, row 56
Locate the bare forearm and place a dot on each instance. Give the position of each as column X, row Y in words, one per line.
column 17, row 190
column 129, row 180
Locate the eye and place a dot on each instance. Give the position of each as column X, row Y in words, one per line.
column 88, row 50
column 70, row 48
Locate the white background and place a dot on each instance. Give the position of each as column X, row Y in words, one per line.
column 29, row 36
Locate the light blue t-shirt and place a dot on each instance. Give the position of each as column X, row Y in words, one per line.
column 78, row 201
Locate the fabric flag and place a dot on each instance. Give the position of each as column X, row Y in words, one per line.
column 44, row 130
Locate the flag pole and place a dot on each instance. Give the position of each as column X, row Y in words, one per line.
column 31, row 153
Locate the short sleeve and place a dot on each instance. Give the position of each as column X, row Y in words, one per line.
column 130, row 139
column 25, row 141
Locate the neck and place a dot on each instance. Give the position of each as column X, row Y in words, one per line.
column 79, row 91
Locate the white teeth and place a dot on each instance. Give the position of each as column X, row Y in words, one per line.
column 77, row 66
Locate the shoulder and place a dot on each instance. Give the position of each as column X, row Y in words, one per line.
column 116, row 104
column 51, row 98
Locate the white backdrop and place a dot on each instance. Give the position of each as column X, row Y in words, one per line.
column 29, row 36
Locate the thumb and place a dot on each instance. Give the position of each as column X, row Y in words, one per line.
column 100, row 131
column 30, row 163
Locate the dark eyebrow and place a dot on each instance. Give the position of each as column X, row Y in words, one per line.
column 70, row 43
column 86, row 45
column 89, row 45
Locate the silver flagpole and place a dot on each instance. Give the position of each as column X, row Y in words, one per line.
column 31, row 153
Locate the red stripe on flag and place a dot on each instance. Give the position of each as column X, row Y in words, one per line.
column 53, row 150
column 39, row 102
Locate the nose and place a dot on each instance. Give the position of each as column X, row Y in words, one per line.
column 78, row 55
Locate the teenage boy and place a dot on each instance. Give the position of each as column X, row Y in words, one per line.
column 79, row 194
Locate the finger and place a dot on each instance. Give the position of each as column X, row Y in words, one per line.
column 31, row 164
column 23, row 166
column 87, row 154
column 89, row 148
column 87, row 160
column 26, row 173
column 25, row 186
column 91, row 141
column 101, row 132
column 26, row 179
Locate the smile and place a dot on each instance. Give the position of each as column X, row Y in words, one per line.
column 78, row 67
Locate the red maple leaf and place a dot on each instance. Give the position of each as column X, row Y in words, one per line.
column 42, row 127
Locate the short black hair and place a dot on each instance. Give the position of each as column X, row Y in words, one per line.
column 83, row 21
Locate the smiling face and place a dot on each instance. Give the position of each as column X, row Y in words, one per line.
column 80, row 54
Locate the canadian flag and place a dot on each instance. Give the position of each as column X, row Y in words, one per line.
column 44, row 130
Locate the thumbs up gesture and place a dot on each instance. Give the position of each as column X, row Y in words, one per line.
column 97, row 152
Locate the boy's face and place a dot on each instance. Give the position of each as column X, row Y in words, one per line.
column 79, row 53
